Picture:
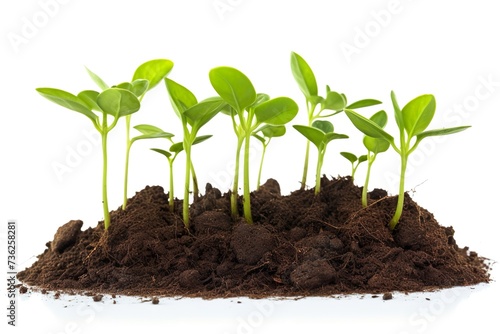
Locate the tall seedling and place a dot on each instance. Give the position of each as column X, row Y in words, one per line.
column 333, row 101
column 193, row 115
column 114, row 102
column 248, row 111
column 264, row 134
column 412, row 122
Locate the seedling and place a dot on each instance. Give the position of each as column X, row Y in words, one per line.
column 114, row 102
column 374, row 147
column 267, row 132
column 320, row 134
column 248, row 111
column 412, row 121
column 333, row 101
column 171, row 154
column 193, row 115
column 355, row 161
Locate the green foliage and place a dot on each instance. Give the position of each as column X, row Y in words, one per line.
column 248, row 111
column 320, row 134
column 412, row 122
column 355, row 161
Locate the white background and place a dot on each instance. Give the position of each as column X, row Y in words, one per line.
column 364, row 49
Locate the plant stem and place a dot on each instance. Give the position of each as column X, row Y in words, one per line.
column 321, row 155
column 127, row 154
column 401, row 196
column 264, row 147
column 234, row 194
column 104, row 135
column 306, row 167
column 185, row 204
column 364, row 196
column 196, row 190
column 247, row 211
column 171, row 186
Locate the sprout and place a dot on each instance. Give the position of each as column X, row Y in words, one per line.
column 320, row 134
column 248, row 112
column 354, row 160
column 412, row 121
column 268, row 132
column 336, row 102
column 193, row 115
column 114, row 102
column 374, row 147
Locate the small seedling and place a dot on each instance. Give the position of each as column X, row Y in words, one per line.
column 171, row 154
column 264, row 134
column 374, row 147
column 248, row 111
column 114, row 102
column 333, row 101
column 320, row 134
column 193, row 115
column 355, row 161
column 412, row 121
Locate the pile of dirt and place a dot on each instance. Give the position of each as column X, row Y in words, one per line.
column 299, row 245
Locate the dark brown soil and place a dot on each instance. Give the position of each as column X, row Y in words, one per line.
column 299, row 245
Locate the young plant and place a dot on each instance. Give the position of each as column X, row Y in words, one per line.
column 354, row 160
column 333, row 101
column 267, row 133
column 374, row 147
column 412, row 122
column 320, row 134
column 146, row 77
column 114, row 102
column 171, row 154
column 193, row 115
column 248, row 112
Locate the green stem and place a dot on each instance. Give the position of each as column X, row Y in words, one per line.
column 264, row 147
column 196, row 190
column 171, row 186
column 127, row 154
column 401, row 196
column 234, row 194
column 321, row 155
column 104, row 135
column 310, row 113
column 185, row 204
column 364, row 196
column 247, row 211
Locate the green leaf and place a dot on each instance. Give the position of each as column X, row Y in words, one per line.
column 271, row 131
column 363, row 104
column 332, row 136
column 441, row 132
column 315, row 100
column 180, row 97
column 325, row 126
column 233, row 86
column 163, row 152
column 90, row 99
column 69, row 101
column 362, row 158
column 179, row 147
column 316, row 136
column 153, row 71
column 349, row 156
column 418, row 114
column 368, row 127
column 118, row 102
column 277, row 111
column 333, row 101
column 139, row 87
column 151, row 132
column 380, row 118
column 397, row 112
column 202, row 112
column 259, row 138
column 376, row 145
column 99, row 82
column 261, row 98
column 303, row 75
